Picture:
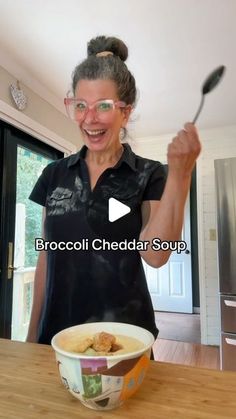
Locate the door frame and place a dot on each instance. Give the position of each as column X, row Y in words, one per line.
column 11, row 138
column 26, row 124
column 193, row 246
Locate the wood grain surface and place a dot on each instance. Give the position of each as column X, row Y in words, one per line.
column 30, row 387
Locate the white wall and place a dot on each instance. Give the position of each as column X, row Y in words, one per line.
column 216, row 143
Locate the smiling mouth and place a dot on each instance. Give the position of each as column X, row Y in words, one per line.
column 95, row 135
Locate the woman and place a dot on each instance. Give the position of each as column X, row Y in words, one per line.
column 102, row 284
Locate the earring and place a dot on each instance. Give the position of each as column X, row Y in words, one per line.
column 123, row 133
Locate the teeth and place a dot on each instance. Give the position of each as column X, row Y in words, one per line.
column 95, row 132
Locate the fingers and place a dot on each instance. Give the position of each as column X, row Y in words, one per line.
column 184, row 149
column 189, row 137
column 189, row 126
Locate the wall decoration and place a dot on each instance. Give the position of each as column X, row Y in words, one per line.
column 18, row 96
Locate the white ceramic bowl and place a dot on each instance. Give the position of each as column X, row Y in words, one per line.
column 103, row 382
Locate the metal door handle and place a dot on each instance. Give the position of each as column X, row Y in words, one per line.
column 230, row 341
column 10, row 267
column 230, row 303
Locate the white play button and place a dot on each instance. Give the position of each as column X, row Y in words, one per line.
column 116, row 209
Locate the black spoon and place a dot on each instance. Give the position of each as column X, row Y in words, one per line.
column 209, row 84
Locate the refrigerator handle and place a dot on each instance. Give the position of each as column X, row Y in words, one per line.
column 230, row 341
column 230, row 303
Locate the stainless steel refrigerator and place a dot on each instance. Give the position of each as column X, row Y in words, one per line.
column 225, row 181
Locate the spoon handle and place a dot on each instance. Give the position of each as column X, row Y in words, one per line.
column 199, row 110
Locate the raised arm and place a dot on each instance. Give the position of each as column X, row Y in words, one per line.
column 164, row 219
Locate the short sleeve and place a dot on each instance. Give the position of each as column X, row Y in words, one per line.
column 39, row 192
column 156, row 184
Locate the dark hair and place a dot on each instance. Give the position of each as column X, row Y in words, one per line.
column 110, row 67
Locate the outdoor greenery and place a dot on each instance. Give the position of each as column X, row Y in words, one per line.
column 29, row 168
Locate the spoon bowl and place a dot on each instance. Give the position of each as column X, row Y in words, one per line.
column 209, row 84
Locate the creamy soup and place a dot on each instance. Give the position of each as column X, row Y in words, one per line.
column 123, row 344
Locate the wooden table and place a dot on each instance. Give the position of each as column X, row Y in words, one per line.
column 30, row 388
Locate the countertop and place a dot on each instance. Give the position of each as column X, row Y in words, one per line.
column 30, row 387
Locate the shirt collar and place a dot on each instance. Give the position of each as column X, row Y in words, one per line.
column 127, row 157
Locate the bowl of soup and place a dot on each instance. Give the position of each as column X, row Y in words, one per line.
column 103, row 364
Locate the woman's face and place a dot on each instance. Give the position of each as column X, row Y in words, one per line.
column 101, row 133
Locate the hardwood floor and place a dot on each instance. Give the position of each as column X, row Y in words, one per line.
column 186, row 353
column 178, row 326
column 179, row 341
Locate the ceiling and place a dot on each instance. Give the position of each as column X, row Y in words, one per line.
column 173, row 45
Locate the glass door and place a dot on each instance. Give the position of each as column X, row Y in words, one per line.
column 28, row 216
column 23, row 159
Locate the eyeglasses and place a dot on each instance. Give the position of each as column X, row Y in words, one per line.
column 77, row 109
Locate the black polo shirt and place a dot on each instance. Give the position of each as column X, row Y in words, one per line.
column 95, row 285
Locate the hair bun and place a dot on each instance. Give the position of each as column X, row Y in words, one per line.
column 112, row 44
